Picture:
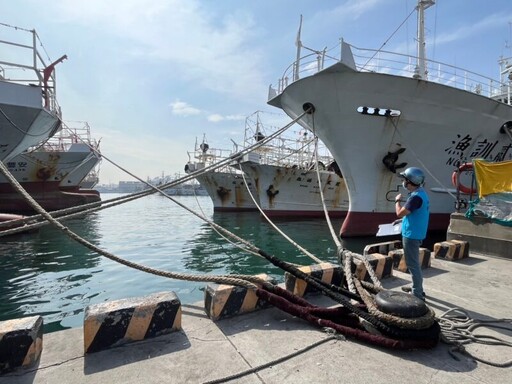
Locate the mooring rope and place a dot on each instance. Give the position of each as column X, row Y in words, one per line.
column 152, row 189
column 250, row 282
column 181, row 276
column 334, row 237
column 421, row 322
column 353, row 283
column 347, row 264
column 274, row 362
column 31, row 222
column 66, row 213
column 284, row 235
column 246, row 281
column 339, row 298
column 239, row 246
column 457, row 329
column 410, row 339
column 231, row 280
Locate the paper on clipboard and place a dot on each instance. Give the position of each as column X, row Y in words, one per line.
column 394, row 228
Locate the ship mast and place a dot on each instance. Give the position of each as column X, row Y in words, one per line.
column 421, row 71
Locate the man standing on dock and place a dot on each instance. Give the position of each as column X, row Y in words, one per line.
column 414, row 214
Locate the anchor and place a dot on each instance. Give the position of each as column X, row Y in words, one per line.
column 223, row 192
column 271, row 192
column 334, row 167
column 391, row 158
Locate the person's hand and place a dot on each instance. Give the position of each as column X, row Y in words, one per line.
column 398, row 197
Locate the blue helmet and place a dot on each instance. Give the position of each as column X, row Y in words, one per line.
column 414, row 175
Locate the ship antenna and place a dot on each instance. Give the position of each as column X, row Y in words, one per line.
column 507, row 42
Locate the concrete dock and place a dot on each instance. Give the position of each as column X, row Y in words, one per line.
column 205, row 350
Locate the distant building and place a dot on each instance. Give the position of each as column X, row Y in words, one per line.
column 189, row 188
column 130, row 186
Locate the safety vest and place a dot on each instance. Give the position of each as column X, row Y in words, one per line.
column 415, row 224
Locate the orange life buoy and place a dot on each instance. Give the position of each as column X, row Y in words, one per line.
column 455, row 179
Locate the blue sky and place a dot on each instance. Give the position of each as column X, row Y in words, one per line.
column 151, row 76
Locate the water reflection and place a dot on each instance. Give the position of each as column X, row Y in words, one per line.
column 47, row 273
column 210, row 253
column 45, row 270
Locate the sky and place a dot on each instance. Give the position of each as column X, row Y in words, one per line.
column 151, row 77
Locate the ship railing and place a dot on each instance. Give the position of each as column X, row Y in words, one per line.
column 291, row 149
column 23, row 63
column 293, row 153
column 75, row 132
column 204, row 158
column 284, row 153
column 392, row 63
column 66, row 137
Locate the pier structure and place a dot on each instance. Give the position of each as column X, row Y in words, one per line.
column 233, row 337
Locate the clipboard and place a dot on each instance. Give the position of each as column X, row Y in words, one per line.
column 392, row 229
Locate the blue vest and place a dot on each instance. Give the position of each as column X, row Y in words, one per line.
column 415, row 224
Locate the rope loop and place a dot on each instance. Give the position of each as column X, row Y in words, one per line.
column 457, row 329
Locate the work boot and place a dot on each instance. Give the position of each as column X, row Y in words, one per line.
column 408, row 289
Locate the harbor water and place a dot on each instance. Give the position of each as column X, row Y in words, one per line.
column 46, row 273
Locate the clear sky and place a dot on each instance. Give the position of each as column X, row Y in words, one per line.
column 151, row 76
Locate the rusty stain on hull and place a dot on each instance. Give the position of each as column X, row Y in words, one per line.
column 45, row 170
column 298, row 189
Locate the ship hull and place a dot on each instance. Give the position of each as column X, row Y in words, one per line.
column 228, row 191
column 24, row 122
column 74, row 180
column 294, row 192
column 436, row 128
column 41, row 173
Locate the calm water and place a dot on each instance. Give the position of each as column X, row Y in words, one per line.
column 46, row 273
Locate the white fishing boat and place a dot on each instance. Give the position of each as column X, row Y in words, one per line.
column 281, row 175
column 379, row 112
column 29, row 112
column 43, row 171
column 85, row 175
column 91, row 179
column 225, row 185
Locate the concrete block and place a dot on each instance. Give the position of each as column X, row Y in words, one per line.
column 21, row 342
column 327, row 272
column 223, row 300
column 399, row 259
column 114, row 323
column 382, row 248
column 381, row 264
column 451, row 250
column 484, row 235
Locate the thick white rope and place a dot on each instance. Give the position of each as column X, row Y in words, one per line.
column 284, row 235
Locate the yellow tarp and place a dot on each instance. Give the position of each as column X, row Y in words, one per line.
column 493, row 177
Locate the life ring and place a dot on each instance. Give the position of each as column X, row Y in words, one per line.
column 455, row 179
